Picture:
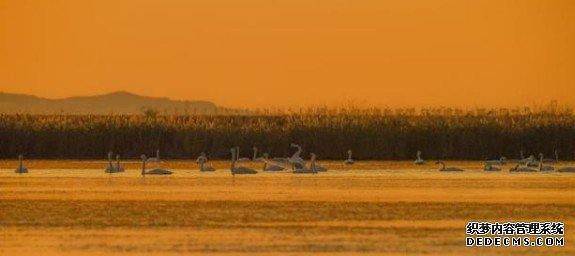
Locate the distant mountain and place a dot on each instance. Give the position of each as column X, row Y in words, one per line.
column 113, row 103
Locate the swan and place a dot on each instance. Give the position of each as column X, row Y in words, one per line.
column 543, row 167
column 119, row 168
column 21, row 168
column 419, row 160
column 531, row 162
column 155, row 159
column 110, row 168
column 202, row 160
column 296, row 159
column 156, row 171
column 241, row 159
column 491, row 168
column 239, row 170
column 448, row 169
column 270, row 167
column 256, row 158
column 501, row 161
column 518, row 168
column 314, row 166
column 304, row 169
column 349, row 160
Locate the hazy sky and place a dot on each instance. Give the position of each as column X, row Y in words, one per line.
column 277, row 53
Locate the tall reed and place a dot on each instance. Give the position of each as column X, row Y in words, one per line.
column 371, row 133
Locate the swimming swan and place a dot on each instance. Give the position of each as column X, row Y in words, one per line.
column 448, row 169
column 110, row 168
column 314, row 166
column 304, row 169
column 296, row 159
column 349, row 160
column 21, row 168
column 155, row 159
column 156, row 171
column 532, row 162
column 239, row 170
column 119, row 167
column 255, row 158
column 419, row 160
column 202, row 158
column 202, row 161
column 543, row 167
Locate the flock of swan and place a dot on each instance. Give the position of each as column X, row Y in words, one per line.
column 298, row 165
column 529, row 164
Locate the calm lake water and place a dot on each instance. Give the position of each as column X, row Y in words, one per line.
column 380, row 208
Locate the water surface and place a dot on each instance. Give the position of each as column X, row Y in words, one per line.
column 383, row 208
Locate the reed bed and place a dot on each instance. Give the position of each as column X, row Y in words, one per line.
column 372, row 134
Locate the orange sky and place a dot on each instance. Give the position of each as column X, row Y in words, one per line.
column 279, row 53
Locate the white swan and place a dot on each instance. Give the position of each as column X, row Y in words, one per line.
column 156, row 171
column 448, row 169
column 155, row 159
column 110, row 168
column 349, row 160
column 241, row 159
column 256, row 158
column 119, row 167
column 21, row 168
column 202, row 160
column 419, row 160
column 314, row 166
column 531, row 162
column 296, row 159
column 519, row 168
column 501, row 161
column 270, row 167
column 543, row 167
column 304, row 169
column 491, row 168
column 239, row 170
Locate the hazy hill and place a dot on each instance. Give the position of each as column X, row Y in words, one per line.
column 117, row 103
